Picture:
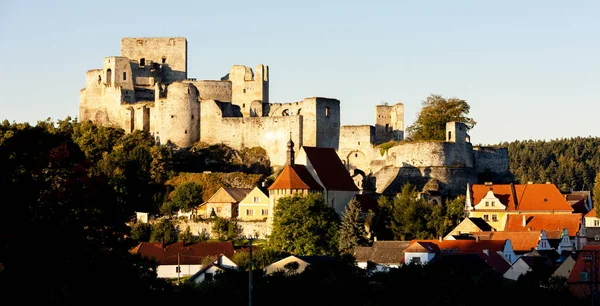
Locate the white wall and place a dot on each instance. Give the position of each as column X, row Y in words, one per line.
column 170, row 271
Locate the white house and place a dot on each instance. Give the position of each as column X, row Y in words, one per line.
column 208, row 272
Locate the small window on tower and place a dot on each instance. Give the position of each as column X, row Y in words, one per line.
column 140, row 42
column 142, row 62
column 327, row 111
column 164, row 60
column 124, row 76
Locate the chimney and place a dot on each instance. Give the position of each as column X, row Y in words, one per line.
column 524, row 220
column 440, row 238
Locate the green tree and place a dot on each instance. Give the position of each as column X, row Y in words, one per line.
column 141, row 231
column 186, row 236
column 436, row 111
column 596, row 194
column 187, row 196
column 51, row 194
column 413, row 218
column 164, row 231
column 305, row 225
column 352, row 231
column 226, row 229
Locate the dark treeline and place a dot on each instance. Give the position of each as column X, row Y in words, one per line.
column 570, row 164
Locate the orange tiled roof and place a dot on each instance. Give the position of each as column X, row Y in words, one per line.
column 188, row 254
column 591, row 213
column 548, row 222
column 295, row 177
column 329, row 168
column 522, row 241
column 526, row 197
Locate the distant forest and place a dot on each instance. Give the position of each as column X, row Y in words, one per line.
column 570, row 164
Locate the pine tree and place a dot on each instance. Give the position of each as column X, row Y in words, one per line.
column 596, row 194
column 352, row 231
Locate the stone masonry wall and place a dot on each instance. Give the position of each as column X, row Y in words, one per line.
column 270, row 133
column 170, row 52
column 214, row 90
column 248, row 227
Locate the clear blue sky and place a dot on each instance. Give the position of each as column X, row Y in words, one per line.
column 529, row 69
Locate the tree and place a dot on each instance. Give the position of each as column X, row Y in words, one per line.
column 352, row 231
column 305, row 225
column 51, row 194
column 226, row 229
column 187, row 196
column 164, row 231
column 596, row 194
column 141, row 231
column 436, row 111
column 186, row 236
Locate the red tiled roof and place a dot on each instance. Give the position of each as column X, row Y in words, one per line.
column 188, row 254
column 469, row 246
column 548, row 222
column 295, row 177
column 580, row 264
column 329, row 168
column 529, row 197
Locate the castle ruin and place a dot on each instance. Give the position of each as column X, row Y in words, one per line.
column 147, row 88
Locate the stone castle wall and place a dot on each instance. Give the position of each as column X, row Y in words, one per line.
column 147, row 88
column 170, row 52
column 249, row 228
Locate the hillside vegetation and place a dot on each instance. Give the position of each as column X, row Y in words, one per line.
column 570, row 164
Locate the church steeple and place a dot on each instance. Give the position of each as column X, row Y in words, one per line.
column 290, row 151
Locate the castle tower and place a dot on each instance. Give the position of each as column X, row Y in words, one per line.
column 248, row 87
column 168, row 52
column 456, row 132
column 178, row 115
column 389, row 122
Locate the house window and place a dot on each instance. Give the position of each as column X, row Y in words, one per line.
column 487, row 203
column 543, row 244
column 327, row 111
column 264, row 212
column 416, row 260
column 486, row 217
column 494, row 218
column 208, row 276
column 249, row 212
column 493, row 203
column 255, row 199
column 596, row 222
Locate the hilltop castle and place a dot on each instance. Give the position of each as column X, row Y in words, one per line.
column 147, row 88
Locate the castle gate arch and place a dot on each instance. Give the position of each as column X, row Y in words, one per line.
column 357, row 160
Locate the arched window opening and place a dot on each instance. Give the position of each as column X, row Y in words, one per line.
column 108, row 77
